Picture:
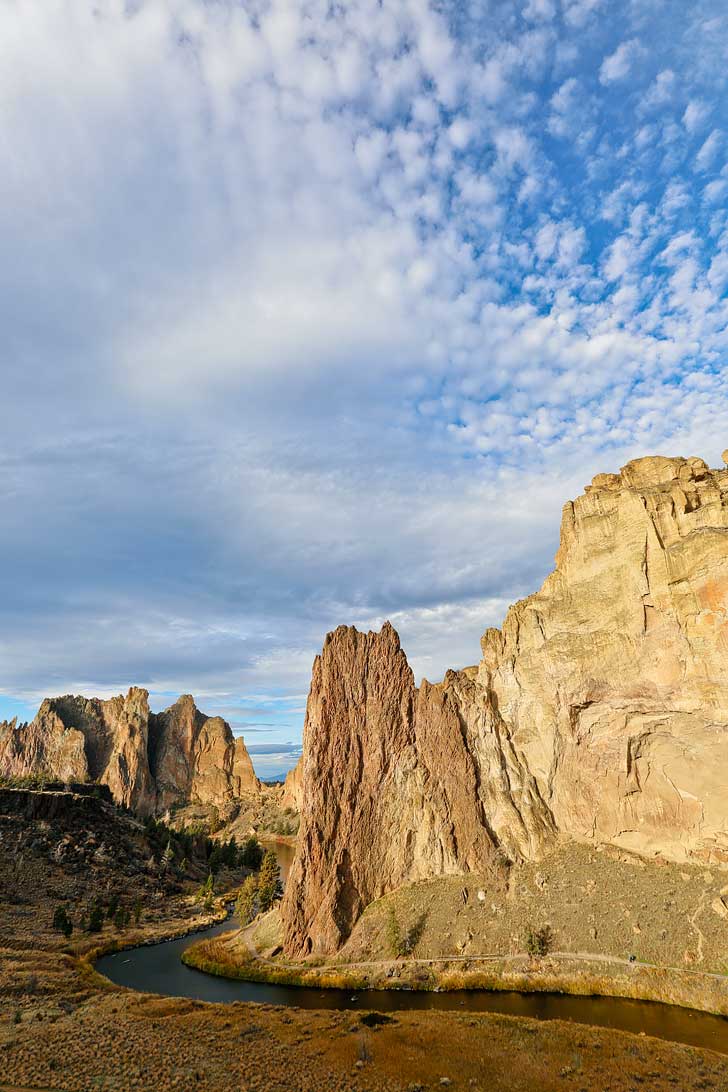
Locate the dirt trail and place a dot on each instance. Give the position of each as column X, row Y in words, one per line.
column 586, row 957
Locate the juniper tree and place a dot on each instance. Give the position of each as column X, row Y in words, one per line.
column 61, row 921
column 251, row 853
column 247, row 903
column 269, row 881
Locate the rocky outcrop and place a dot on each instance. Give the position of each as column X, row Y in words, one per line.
column 86, row 739
column 149, row 761
column 394, row 788
column 613, row 677
column 196, row 759
column 292, row 795
column 598, row 712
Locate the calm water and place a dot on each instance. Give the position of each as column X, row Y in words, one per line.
column 158, row 969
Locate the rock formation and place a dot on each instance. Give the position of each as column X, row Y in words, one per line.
column 292, row 795
column 598, row 712
column 195, row 759
column 149, row 761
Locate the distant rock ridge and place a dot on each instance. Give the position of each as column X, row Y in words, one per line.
column 150, row 761
column 598, row 712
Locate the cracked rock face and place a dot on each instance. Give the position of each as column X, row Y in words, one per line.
column 149, row 761
column 599, row 711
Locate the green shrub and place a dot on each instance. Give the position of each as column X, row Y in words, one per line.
column 403, row 942
column 121, row 918
column 96, row 919
column 539, row 942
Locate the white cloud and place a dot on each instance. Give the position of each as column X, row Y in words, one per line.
column 661, row 91
column 618, row 65
column 538, row 10
column 709, row 149
column 578, row 12
column 696, row 114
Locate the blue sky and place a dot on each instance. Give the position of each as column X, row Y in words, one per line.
column 318, row 314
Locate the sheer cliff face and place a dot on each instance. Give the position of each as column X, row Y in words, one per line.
column 613, row 678
column 149, row 761
column 599, row 711
column 393, row 787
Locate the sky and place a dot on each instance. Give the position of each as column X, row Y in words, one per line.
column 317, row 313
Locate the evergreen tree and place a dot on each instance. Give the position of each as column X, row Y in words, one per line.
column 251, row 853
column 269, row 881
column 96, row 919
column 61, row 921
column 246, row 906
column 230, row 852
column 168, row 855
column 137, row 911
column 206, row 892
column 216, row 859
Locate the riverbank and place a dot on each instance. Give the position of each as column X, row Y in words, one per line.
column 75, row 1032
column 89, row 950
column 618, row 926
column 560, row 973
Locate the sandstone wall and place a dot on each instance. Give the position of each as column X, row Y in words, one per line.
column 598, row 711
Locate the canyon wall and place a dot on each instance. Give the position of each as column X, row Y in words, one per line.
column 149, row 761
column 598, row 712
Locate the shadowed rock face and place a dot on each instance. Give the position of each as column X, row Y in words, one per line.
column 149, row 761
column 599, row 711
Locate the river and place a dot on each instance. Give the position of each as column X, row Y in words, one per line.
column 159, row 969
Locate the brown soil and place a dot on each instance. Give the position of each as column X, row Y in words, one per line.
column 603, row 901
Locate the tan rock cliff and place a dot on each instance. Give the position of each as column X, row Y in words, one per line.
column 613, row 677
column 149, row 761
column 196, row 759
column 598, row 711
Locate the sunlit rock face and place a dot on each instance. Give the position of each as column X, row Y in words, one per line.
column 149, row 761
column 599, row 712
column 613, row 677
column 292, row 795
column 196, row 759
